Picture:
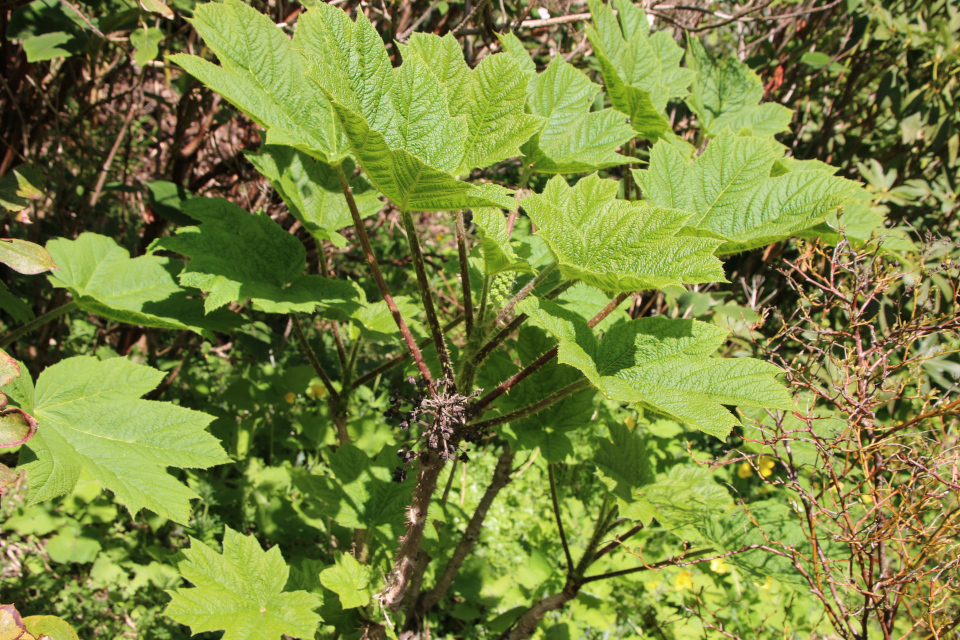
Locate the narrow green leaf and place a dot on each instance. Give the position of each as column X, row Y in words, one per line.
column 618, row 245
column 240, row 592
column 733, row 196
column 262, row 75
column 91, row 417
column 726, row 94
column 663, row 364
column 236, row 255
column 104, row 279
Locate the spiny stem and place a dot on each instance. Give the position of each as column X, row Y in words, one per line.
column 37, row 323
column 524, row 292
column 556, row 513
column 485, row 401
column 484, row 297
column 464, row 272
column 550, row 400
column 524, row 177
column 378, row 276
column 427, row 296
column 312, row 357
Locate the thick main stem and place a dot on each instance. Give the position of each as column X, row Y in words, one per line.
column 378, row 276
column 427, row 296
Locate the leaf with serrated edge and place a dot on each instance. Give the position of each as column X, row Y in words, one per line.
column 348, row 579
column 574, row 138
column 730, row 190
column 498, row 255
column 726, row 94
column 241, row 592
column 641, row 71
column 623, row 460
column 312, row 192
column 664, row 364
column 236, row 255
column 104, row 279
column 91, row 417
column 618, row 245
column 261, row 74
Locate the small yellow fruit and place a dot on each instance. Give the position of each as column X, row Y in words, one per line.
column 290, row 397
column 766, row 465
column 745, row 470
column 683, row 581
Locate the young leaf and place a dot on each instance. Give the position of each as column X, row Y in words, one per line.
column 104, row 279
column 663, row 364
column 91, row 417
column 574, row 139
column 312, row 192
column 146, row 43
column 241, row 592
column 262, row 75
column 491, row 98
column 236, row 255
column 618, row 245
column 727, row 93
column 498, row 254
column 397, row 121
column 25, row 257
column 733, row 196
column 348, row 579
column 19, row 186
column 641, row 71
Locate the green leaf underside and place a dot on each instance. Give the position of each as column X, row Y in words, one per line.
column 618, row 245
column 361, row 494
column 641, row 71
column 104, row 279
column 398, row 121
column 235, row 256
column 726, row 93
column 262, row 75
column 348, row 579
column 732, row 195
column 498, row 253
column 574, row 139
column 311, row 190
column 664, row 364
column 25, row 257
column 91, row 417
column 241, row 592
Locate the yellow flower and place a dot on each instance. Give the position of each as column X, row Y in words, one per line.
column 652, row 585
column 718, row 565
column 630, row 422
column 683, row 581
column 745, row 470
column 290, row 397
column 316, row 391
column 766, row 465
column 866, row 498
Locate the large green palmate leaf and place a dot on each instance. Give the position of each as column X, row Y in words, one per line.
column 618, row 245
column 91, row 417
column 739, row 190
column 726, row 93
column 683, row 499
column 491, row 98
column 312, row 192
column 241, row 592
column 236, row 255
column 663, row 364
column 573, row 139
column 398, row 121
column 262, row 75
column 623, row 461
column 641, row 70
column 361, row 494
column 105, row 280
column 373, row 321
